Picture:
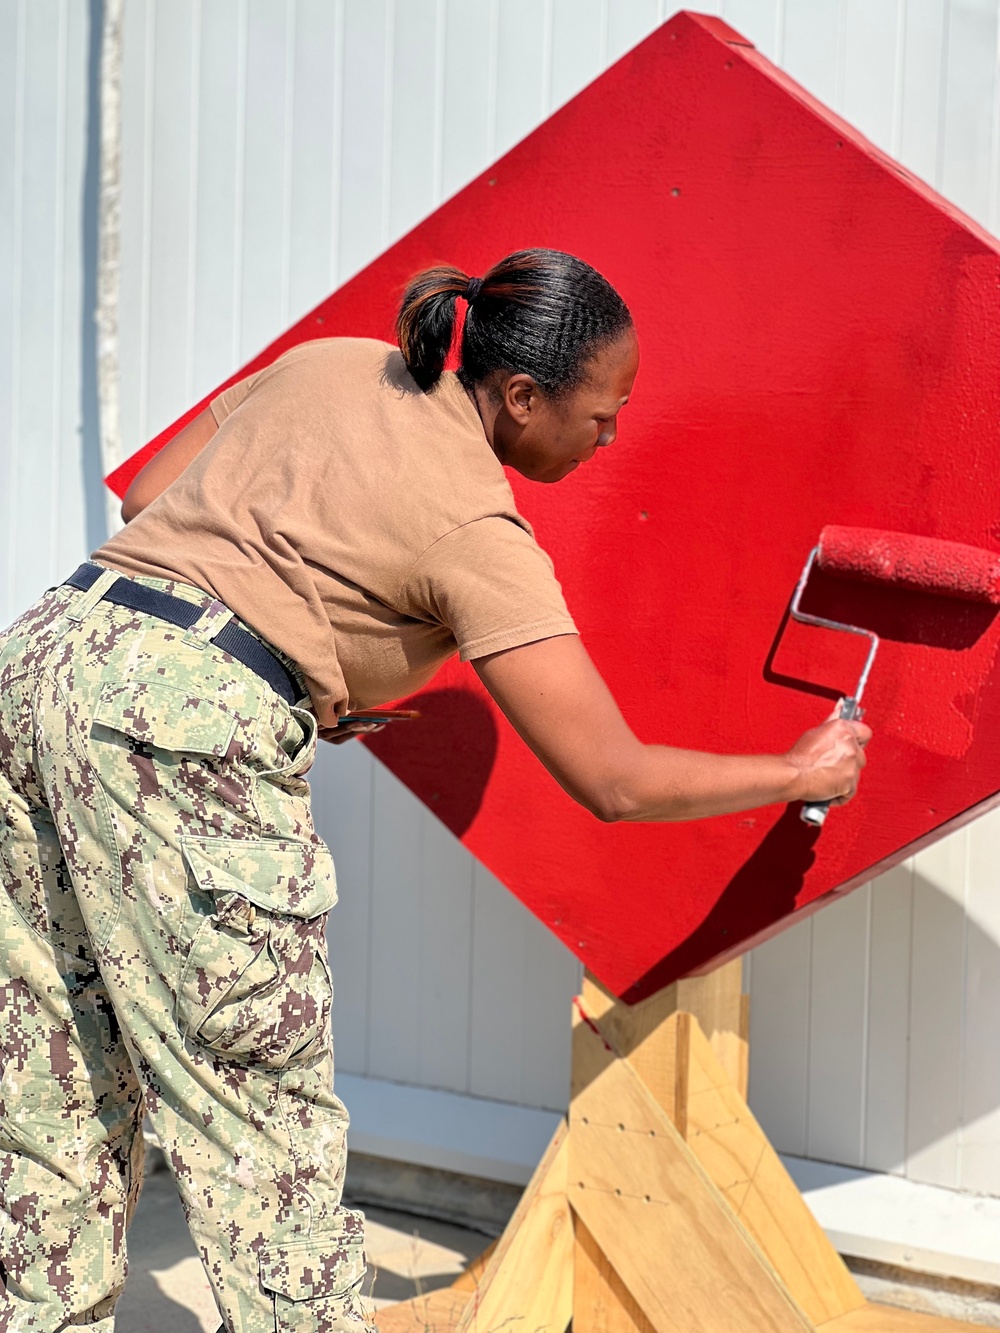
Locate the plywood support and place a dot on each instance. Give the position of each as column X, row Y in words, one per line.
column 660, row 1206
column 654, row 1212
column 528, row 1282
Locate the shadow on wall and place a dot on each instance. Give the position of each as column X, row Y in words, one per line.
column 761, row 892
column 899, row 1077
column 927, row 1063
column 939, row 1074
column 449, row 776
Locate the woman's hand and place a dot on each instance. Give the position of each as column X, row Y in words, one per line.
column 830, row 759
column 558, row 703
column 337, row 735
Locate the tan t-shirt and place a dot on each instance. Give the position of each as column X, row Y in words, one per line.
column 362, row 526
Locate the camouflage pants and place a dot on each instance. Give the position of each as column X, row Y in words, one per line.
column 162, row 944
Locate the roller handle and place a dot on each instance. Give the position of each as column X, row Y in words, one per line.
column 815, row 812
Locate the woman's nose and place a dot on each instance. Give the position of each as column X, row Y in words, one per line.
column 607, row 435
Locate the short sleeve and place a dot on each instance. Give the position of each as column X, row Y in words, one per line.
column 492, row 585
column 226, row 402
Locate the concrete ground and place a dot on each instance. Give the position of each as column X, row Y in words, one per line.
column 167, row 1291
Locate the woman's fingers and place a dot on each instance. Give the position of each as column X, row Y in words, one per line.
column 830, row 758
column 337, row 735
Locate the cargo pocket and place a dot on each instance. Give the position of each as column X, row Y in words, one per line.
column 165, row 717
column 316, row 1283
column 256, row 985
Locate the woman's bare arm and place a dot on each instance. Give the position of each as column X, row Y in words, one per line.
column 167, row 465
column 558, row 702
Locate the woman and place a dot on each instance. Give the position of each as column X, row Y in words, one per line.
column 321, row 539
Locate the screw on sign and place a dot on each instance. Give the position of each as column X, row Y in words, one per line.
column 817, row 349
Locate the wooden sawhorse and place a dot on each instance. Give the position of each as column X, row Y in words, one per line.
column 660, row 1205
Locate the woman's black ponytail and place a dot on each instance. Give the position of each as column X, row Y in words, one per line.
column 426, row 323
column 538, row 312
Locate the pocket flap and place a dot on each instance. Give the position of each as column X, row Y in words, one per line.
column 327, row 1265
column 165, row 717
column 275, row 874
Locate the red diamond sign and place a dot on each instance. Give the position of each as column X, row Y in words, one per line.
column 820, row 341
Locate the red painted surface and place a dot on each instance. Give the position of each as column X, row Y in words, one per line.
column 820, row 345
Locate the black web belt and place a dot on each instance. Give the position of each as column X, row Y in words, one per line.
column 230, row 639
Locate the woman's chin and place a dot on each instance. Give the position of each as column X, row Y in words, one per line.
column 563, row 471
column 548, row 475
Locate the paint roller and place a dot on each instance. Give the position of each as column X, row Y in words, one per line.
column 918, row 564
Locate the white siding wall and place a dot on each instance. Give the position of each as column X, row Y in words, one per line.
column 47, row 423
column 271, row 148
column 874, row 1024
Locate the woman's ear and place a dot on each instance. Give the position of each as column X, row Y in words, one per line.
column 521, row 397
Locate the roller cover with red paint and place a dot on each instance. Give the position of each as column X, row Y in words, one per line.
column 925, row 564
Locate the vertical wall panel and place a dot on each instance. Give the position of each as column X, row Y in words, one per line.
column 523, row 981
column 888, row 1020
column 266, row 181
column 365, row 122
column 171, row 197
column 11, row 157
column 40, row 271
column 627, row 25
column 497, row 984
column 416, row 132
column 443, row 1000
column 578, row 46
column 779, row 1037
column 869, row 94
column 314, row 147
column 219, row 189
column 979, row 1140
column 394, row 1013
column 342, row 782
column 838, row 1031
column 760, row 20
column 77, row 331
column 552, row 976
column 468, row 125
column 137, row 91
column 523, row 69
column 969, row 144
column 419, row 1000
column 814, row 47
column 936, row 1005
column 922, row 77
column 43, row 126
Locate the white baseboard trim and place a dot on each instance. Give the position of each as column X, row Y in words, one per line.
column 448, row 1130
column 891, row 1220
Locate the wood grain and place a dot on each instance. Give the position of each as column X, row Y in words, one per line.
column 725, row 1137
column 473, row 1275
column 601, row 1303
column 528, row 1282
column 637, row 1031
column 656, row 1215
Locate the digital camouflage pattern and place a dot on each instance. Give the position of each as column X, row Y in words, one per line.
column 162, row 945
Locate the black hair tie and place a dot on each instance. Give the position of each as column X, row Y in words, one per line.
column 472, row 289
